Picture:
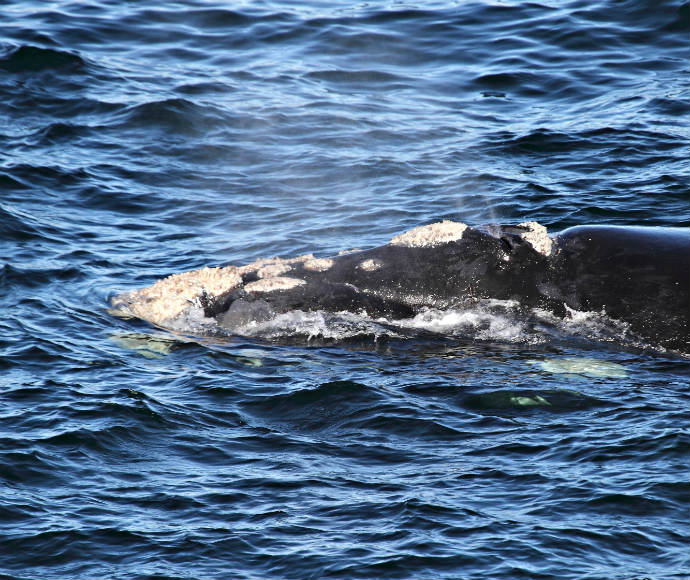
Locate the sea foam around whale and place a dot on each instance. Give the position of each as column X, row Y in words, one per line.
column 486, row 320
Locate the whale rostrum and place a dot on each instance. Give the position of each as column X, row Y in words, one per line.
column 638, row 275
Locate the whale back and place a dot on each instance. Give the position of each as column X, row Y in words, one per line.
column 636, row 274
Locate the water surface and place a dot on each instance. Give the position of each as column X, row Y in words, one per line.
column 140, row 141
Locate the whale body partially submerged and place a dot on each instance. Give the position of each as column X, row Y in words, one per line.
column 636, row 275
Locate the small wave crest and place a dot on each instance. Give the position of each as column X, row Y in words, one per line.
column 176, row 115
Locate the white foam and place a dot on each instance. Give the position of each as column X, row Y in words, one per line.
column 316, row 324
column 486, row 320
column 192, row 321
column 589, row 324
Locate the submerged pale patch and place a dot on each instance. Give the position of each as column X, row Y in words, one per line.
column 590, row 367
column 146, row 345
column 430, row 235
column 273, row 284
column 537, row 236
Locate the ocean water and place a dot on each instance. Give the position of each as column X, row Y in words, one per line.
column 144, row 139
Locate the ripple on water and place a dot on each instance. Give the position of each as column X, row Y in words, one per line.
column 141, row 141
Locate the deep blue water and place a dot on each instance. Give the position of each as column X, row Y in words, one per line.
column 143, row 139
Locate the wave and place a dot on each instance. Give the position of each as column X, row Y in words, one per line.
column 491, row 440
column 176, row 116
column 513, row 401
column 547, row 141
column 33, row 59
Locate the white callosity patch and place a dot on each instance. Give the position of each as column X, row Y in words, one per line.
column 318, row 264
column 537, row 236
column 269, row 267
column 272, row 270
column 273, row 284
column 178, row 301
column 370, row 265
column 431, row 235
column 170, row 297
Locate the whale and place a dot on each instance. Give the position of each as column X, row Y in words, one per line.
column 636, row 275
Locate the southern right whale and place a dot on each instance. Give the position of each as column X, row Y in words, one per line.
column 637, row 275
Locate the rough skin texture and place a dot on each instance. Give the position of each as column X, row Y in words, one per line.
column 430, row 235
